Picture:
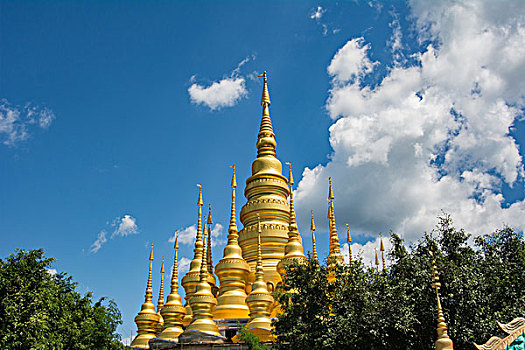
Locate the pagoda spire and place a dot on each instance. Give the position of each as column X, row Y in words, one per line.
column 160, row 301
column 260, row 300
column 266, row 139
column 443, row 341
column 202, row 302
column 334, row 254
column 209, row 222
column 349, row 241
column 312, row 228
column 192, row 277
column 232, row 271
column 377, row 260
column 382, row 249
column 147, row 318
column 173, row 311
column 293, row 249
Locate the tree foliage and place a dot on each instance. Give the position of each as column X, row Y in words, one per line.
column 483, row 281
column 42, row 310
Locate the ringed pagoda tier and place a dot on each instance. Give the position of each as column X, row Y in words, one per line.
column 266, row 193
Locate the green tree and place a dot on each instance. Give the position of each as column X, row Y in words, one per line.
column 41, row 310
column 483, row 281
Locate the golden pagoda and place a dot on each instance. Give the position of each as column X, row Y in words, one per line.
column 259, row 301
column 147, row 318
column 293, row 249
column 173, row 311
column 160, row 301
column 266, row 193
column 192, row 278
column 202, row 302
column 232, row 271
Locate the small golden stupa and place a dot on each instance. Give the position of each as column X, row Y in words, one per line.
column 259, row 301
column 173, row 311
column 147, row 318
column 293, row 250
column 349, row 241
column 202, row 302
column 232, row 271
column 192, row 278
column 334, row 253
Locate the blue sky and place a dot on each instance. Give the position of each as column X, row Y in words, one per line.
column 111, row 113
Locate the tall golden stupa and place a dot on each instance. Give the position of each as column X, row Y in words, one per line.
column 252, row 265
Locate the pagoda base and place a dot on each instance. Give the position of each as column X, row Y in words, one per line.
column 229, row 327
column 193, row 336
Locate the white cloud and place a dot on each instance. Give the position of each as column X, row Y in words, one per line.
column 367, row 251
column 16, row 123
column 99, row 242
column 317, row 13
column 351, row 62
column 52, row 272
column 187, row 235
column 226, row 92
column 121, row 226
column 183, row 266
column 125, row 225
column 433, row 135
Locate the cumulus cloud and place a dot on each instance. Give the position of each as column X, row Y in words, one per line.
column 125, row 225
column 17, row 123
column 226, row 92
column 432, row 135
column 367, row 251
column 122, row 226
column 99, row 242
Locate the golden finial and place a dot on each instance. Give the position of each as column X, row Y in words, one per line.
column 149, row 288
column 349, row 241
column 330, row 190
column 265, row 99
column 377, row 260
column 160, row 302
column 443, row 341
column 147, row 319
column 234, row 180
column 173, row 312
column 312, row 228
column 266, row 139
column 382, row 249
column 209, row 222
